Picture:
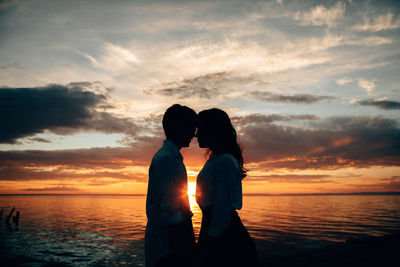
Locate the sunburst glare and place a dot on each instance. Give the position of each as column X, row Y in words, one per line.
column 192, row 197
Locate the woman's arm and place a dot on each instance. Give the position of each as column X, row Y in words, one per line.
column 222, row 205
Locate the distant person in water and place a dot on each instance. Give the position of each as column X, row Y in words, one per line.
column 223, row 240
column 169, row 237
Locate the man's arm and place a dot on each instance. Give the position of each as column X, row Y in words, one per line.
column 174, row 213
column 167, row 171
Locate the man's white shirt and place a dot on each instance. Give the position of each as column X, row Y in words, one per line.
column 167, row 200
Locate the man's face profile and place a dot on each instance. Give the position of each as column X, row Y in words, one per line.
column 188, row 135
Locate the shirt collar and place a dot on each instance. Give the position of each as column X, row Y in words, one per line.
column 172, row 148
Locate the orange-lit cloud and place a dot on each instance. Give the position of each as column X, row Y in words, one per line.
column 335, row 142
column 325, row 144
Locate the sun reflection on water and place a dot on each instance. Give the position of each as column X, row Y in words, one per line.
column 196, row 219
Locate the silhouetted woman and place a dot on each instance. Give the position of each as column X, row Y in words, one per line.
column 223, row 240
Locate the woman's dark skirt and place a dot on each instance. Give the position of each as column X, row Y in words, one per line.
column 234, row 247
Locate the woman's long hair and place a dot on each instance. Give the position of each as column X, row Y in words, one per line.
column 217, row 125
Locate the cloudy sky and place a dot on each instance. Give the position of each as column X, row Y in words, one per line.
column 312, row 87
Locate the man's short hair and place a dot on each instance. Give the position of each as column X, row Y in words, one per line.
column 176, row 118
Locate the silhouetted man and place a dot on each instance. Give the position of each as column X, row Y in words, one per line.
column 169, row 239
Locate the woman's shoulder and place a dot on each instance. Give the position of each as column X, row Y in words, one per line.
column 227, row 160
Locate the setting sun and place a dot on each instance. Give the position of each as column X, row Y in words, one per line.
column 192, row 197
column 192, row 188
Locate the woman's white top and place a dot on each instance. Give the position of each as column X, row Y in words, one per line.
column 219, row 185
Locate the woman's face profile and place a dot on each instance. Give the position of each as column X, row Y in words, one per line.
column 202, row 137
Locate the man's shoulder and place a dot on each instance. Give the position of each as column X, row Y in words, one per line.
column 163, row 155
column 163, row 164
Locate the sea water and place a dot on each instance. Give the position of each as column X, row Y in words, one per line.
column 87, row 230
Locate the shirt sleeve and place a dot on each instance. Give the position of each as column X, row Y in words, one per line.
column 222, row 207
column 168, row 174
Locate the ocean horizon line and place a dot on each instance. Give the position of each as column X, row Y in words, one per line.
column 246, row 194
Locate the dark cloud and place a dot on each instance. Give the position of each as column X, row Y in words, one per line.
column 39, row 139
column 187, row 90
column 154, row 120
column 221, row 84
column 331, row 143
column 297, row 98
column 59, row 109
column 206, row 86
column 260, row 118
column 382, row 104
